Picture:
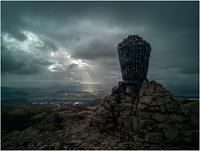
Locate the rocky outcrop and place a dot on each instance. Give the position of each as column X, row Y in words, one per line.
column 74, row 135
column 157, row 120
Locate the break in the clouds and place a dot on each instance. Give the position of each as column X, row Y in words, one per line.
column 76, row 41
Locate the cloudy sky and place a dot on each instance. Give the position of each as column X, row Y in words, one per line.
column 77, row 41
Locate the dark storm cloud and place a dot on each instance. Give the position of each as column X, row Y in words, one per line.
column 11, row 23
column 41, row 61
column 19, row 62
column 94, row 49
column 11, row 62
column 90, row 31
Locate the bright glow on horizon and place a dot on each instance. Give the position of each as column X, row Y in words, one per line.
column 88, row 82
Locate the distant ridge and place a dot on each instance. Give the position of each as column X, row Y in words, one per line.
column 19, row 101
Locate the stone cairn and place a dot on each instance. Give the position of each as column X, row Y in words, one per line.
column 157, row 121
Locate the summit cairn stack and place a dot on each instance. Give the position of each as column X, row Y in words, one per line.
column 157, row 121
column 144, row 109
column 134, row 53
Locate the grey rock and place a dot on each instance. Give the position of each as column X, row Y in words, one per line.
column 56, row 146
column 125, row 114
column 108, row 126
column 143, row 88
column 186, row 132
column 129, row 99
column 106, row 143
column 170, row 133
column 146, row 100
column 42, row 147
column 145, row 115
column 187, row 139
column 107, row 113
column 163, row 125
column 149, row 91
column 154, row 137
column 115, row 90
column 163, row 109
column 142, row 106
column 153, row 109
column 160, row 101
column 125, row 105
column 154, row 146
column 31, row 145
column 159, row 117
column 113, row 143
column 128, row 123
column 177, row 118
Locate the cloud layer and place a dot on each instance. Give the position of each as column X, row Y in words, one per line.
column 76, row 41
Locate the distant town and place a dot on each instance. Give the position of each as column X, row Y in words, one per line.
column 52, row 96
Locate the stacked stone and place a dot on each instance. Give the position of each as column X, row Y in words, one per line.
column 104, row 116
column 157, row 121
column 132, row 39
column 161, row 121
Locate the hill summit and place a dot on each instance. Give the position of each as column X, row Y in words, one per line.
column 155, row 120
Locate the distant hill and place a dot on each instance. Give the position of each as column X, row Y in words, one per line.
column 20, row 101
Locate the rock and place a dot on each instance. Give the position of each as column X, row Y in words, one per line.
column 177, row 118
column 130, row 90
column 31, row 146
column 146, row 100
column 163, row 109
column 154, row 146
column 149, row 128
column 154, row 137
column 77, row 142
column 133, row 39
column 96, row 148
column 170, row 133
column 160, row 101
column 159, row 117
column 125, row 114
column 107, row 113
column 54, row 118
column 106, row 105
column 126, row 105
column 129, row 99
column 187, row 139
column 56, row 146
column 108, row 126
column 105, row 143
column 160, row 89
column 142, row 106
column 163, row 125
column 42, row 147
column 149, row 91
column 145, row 115
column 114, row 90
column 23, row 142
column 153, row 109
column 143, row 88
column 113, row 143
column 128, row 123
column 186, row 132
column 120, row 145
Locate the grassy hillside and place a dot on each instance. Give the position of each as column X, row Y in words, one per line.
column 16, row 117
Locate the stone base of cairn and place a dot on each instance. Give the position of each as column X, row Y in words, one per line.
column 157, row 121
